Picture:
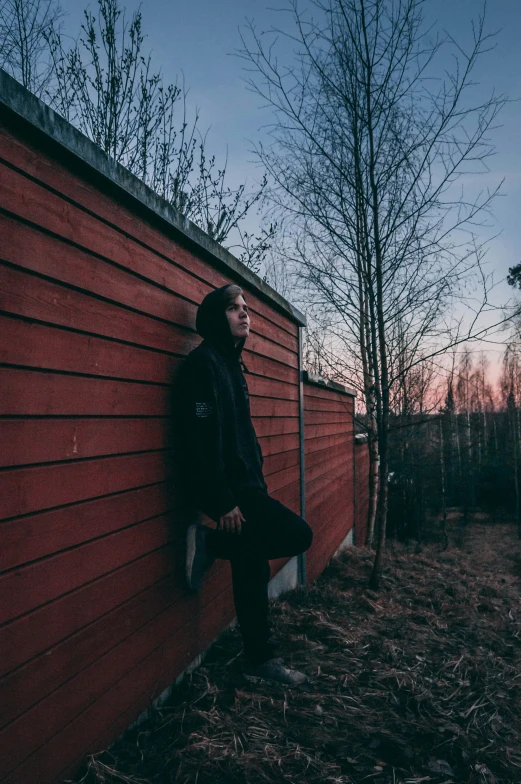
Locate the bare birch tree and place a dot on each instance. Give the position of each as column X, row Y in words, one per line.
column 365, row 155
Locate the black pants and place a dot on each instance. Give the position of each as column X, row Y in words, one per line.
column 271, row 531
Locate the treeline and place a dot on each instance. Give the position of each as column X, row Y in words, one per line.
column 455, row 442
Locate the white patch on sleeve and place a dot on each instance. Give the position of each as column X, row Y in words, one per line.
column 203, row 410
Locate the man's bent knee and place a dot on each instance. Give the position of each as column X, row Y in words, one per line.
column 306, row 538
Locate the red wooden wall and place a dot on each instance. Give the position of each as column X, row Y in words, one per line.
column 362, row 490
column 328, row 417
column 97, row 309
column 98, row 295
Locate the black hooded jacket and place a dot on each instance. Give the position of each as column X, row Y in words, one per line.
column 221, row 448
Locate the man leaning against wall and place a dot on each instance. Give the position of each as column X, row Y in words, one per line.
column 222, row 464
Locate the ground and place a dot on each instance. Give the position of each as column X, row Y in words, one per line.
column 420, row 682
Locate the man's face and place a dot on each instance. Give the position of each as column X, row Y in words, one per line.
column 238, row 318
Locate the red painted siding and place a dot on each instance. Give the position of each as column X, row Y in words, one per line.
column 98, row 296
column 98, row 309
column 328, row 418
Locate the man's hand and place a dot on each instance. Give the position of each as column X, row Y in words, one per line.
column 232, row 521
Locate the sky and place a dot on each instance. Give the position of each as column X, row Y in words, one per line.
column 198, row 40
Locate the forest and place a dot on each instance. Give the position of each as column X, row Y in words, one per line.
column 455, row 443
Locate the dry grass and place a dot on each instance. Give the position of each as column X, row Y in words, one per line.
column 418, row 683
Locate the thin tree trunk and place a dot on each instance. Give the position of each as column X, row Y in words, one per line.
column 516, row 432
column 468, row 469
column 379, row 330
column 374, row 462
column 443, row 491
column 368, row 372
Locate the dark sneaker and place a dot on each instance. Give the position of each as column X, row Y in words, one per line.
column 198, row 559
column 276, row 671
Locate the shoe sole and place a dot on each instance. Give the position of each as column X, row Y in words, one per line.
column 191, row 542
column 260, row 679
column 253, row 678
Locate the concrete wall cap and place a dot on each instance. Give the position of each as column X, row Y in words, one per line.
column 316, row 380
column 40, row 117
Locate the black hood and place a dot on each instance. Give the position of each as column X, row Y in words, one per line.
column 211, row 322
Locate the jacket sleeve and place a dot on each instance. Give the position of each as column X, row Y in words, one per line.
column 204, row 440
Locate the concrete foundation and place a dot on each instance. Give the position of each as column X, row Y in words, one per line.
column 347, row 542
column 285, row 580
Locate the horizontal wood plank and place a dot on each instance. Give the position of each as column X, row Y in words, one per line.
column 325, row 417
column 42, row 675
column 329, row 526
column 326, row 484
column 329, row 530
column 33, row 202
column 144, row 235
column 289, row 496
column 35, row 298
column 266, row 407
column 272, row 388
column 46, row 626
column 40, row 582
column 319, row 431
column 263, row 366
column 327, row 498
column 26, row 490
column 27, row 246
column 275, row 426
column 281, row 479
column 326, row 465
column 26, row 734
column 312, row 391
column 29, row 344
column 281, row 461
column 344, row 406
column 314, row 445
column 320, row 455
column 337, row 487
column 272, row 445
column 26, row 539
column 33, row 345
column 29, row 392
column 27, row 441
column 147, row 677
column 323, row 516
column 30, row 249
